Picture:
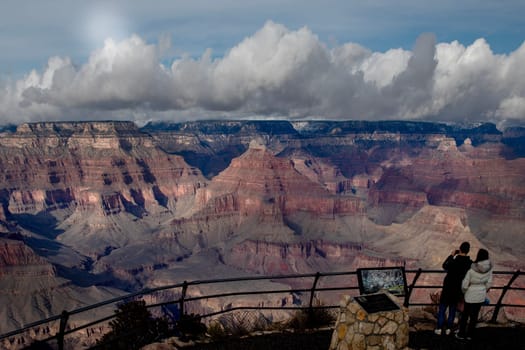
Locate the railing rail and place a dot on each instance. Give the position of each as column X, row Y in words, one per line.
column 185, row 298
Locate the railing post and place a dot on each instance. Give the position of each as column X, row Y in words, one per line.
column 411, row 287
column 182, row 296
column 312, row 292
column 497, row 307
column 64, row 316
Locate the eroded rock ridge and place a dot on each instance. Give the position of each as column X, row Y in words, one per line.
column 108, row 204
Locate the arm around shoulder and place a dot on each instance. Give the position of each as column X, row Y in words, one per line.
column 466, row 282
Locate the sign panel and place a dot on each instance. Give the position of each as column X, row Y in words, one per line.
column 391, row 279
column 376, row 303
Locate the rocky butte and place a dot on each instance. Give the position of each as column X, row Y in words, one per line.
column 96, row 209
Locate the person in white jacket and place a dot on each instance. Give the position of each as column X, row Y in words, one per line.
column 475, row 285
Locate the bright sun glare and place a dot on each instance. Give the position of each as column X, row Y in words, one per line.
column 103, row 23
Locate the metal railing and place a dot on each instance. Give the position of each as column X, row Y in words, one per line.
column 344, row 282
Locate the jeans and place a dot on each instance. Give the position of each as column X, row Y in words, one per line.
column 441, row 315
column 470, row 316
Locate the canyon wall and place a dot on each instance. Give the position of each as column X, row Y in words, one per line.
column 108, row 204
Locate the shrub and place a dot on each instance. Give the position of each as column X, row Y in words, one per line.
column 311, row 318
column 216, row 331
column 133, row 327
column 243, row 323
column 190, row 326
column 434, row 299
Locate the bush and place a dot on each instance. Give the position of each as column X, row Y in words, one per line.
column 216, row 331
column 190, row 326
column 243, row 323
column 133, row 327
column 434, row 299
column 312, row 318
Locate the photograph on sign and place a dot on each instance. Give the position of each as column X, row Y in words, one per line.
column 391, row 279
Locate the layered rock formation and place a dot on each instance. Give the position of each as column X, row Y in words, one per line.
column 77, row 176
column 16, row 257
column 32, row 290
column 107, row 203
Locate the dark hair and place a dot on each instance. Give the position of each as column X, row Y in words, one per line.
column 464, row 247
column 483, row 254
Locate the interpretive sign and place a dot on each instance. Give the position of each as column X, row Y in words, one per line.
column 376, row 303
column 391, row 279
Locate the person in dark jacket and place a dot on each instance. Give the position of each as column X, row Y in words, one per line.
column 457, row 264
column 475, row 285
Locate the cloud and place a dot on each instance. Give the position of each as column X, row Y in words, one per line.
column 276, row 72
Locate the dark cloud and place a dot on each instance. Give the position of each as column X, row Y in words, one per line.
column 277, row 72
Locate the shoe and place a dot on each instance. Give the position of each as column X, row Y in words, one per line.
column 447, row 331
column 459, row 336
column 437, row 331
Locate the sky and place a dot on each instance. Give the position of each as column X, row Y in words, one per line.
column 448, row 61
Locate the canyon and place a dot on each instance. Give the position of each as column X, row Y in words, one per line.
column 93, row 210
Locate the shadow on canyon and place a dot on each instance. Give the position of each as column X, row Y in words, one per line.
column 42, row 223
column 83, row 278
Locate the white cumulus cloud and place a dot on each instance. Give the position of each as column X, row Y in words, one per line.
column 276, row 72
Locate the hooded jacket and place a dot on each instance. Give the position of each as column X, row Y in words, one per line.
column 477, row 282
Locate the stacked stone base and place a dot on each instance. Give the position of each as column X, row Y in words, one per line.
column 356, row 329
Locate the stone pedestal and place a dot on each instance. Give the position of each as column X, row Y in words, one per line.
column 357, row 329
